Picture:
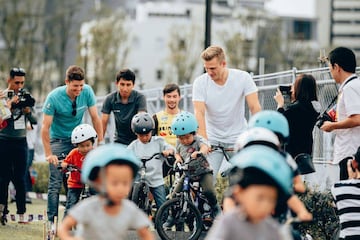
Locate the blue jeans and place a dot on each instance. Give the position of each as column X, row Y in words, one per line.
column 72, row 198
column 217, row 157
column 56, row 177
column 13, row 154
column 159, row 195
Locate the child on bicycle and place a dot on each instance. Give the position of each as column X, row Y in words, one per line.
column 192, row 149
column 142, row 124
column 83, row 136
column 110, row 169
column 260, row 179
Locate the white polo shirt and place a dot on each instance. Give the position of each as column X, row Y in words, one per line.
column 347, row 140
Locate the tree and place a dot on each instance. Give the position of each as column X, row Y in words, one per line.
column 184, row 56
column 106, row 48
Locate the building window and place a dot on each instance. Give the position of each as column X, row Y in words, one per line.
column 159, row 74
column 302, row 30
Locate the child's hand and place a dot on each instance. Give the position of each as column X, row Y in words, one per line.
column 178, row 159
column 64, row 165
column 195, row 154
column 167, row 152
column 305, row 216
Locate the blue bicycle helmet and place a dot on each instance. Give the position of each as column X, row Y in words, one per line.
column 267, row 160
column 272, row 120
column 184, row 123
column 104, row 154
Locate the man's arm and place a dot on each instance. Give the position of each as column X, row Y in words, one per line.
column 96, row 122
column 104, row 122
column 45, row 136
column 349, row 122
column 253, row 103
column 199, row 110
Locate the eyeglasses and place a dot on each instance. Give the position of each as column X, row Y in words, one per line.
column 18, row 83
column 75, row 76
column 74, row 108
column 17, row 72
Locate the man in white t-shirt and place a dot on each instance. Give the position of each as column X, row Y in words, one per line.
column 219, row 97
column 342, row 64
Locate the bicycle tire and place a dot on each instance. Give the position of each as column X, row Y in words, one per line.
column 140, row 197
column 185, row 225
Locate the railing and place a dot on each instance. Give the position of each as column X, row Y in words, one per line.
column 267, row 85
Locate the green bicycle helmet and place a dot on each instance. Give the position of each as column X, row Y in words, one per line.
column 102, row 156
column 184, row 123
column 142, row 123
column 267, row 160
column 272, row 120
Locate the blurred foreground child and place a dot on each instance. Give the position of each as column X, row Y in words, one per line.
column 110, row 169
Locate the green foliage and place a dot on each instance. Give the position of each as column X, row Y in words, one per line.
column 321, row 205
column 41, row 183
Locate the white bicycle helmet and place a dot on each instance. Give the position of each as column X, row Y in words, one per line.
column 82, row 133
column 257, row 135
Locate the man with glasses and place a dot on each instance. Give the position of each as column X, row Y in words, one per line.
column 63, row 110
column 13, row 145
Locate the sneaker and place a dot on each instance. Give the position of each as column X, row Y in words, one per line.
column 3, row 218
column 22, row 219
column 170, row 222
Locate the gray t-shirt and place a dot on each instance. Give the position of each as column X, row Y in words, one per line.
column 186, row 151
column 154, row 174
column 233, row 225
column 94, row 223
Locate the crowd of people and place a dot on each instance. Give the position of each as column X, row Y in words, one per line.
column 264, row 172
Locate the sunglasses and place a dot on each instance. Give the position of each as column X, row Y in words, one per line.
column 17, row 72
column 74, row 108
column 75, row 76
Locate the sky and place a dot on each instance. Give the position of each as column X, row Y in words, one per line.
column 303, row 8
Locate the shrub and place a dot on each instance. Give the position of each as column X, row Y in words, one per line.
column 325, row 222
column 42, row 179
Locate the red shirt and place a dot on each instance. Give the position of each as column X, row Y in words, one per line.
column 75, row 158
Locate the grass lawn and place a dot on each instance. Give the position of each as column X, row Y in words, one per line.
column 31, row 231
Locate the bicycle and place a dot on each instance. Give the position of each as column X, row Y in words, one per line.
column 85, row 192
column 224, row 151
column 189, row 211
column 141, row 194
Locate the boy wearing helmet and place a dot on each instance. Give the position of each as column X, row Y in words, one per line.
column 83, row 136
column 110, row 169
column 260, row 179
column 189, row 146
column 142, row 125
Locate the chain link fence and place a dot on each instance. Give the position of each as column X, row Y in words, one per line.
column 267, row 85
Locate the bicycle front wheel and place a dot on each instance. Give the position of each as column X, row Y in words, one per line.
column 178, row 219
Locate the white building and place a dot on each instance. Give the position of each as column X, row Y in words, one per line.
column 154, row 22
column 339, row 23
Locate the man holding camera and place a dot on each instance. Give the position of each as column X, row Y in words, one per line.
column 342, row 64
column 13, row 150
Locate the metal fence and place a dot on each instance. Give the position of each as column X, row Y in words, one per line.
column 267, row 85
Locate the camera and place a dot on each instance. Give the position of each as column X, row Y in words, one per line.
column 323, row 118
column 25, row 99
